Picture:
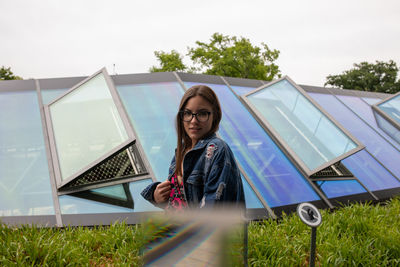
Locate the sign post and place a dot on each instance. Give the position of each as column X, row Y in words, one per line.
column 311, row 216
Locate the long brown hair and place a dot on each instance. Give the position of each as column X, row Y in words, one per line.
column 184, row 140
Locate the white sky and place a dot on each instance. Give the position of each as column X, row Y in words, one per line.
column 53, row 38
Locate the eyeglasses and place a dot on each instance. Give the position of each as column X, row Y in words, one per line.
column 201, row 116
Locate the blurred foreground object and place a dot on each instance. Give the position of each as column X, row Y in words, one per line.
column 196, row 238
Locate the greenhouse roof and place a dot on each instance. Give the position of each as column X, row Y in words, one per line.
column 79, row 150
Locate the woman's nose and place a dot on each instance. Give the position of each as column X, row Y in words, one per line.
column 194, row 118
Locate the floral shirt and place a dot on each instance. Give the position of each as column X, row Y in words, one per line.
column 177, row 200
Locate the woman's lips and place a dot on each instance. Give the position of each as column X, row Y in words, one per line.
column 194, row 130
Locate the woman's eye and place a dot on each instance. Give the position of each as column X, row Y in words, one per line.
column 202, row 113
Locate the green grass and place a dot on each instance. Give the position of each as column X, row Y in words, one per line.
column 356, row 235
column 118, row 245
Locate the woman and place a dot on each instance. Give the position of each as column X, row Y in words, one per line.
column 203, row 172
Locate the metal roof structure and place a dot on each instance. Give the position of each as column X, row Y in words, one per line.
column 79, row 150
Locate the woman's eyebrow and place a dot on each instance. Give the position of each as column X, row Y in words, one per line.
column 202, row 109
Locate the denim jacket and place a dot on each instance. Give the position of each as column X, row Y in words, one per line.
column 210, row 175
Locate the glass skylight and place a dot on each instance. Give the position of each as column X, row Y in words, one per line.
column 86, row 127
column 387, row 114
column 299, row 125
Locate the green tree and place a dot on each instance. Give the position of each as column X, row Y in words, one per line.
column 169, row 62
column 7, row 74
column 225, row 56
column 378, row 77
column 235, row 57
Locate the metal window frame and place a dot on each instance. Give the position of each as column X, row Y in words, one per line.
column 53, row 185
column 359, row 94
column 316, row 189
column 283, row 145
column 122, row 113
column 17, row 85
column 383, row 114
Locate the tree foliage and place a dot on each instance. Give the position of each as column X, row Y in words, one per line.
column 169, row 62
column 225, row 56
column 7, row 74
column 378, row 77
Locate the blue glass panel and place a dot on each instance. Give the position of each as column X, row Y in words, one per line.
column 50, row 95
column 372, row 174
column 374, row 143
column 76, row 205
column 392, row 108
column 264, row 163
column 388, row 128
column 240, row 90
column 24, row 175
column 371, row 101
column 334, row 189
column 311, row 135
column 152, row 109
column 366, row 113
column 252, row 201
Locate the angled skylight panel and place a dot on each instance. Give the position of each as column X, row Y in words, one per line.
column 86, row 126
column 391, row 107
column 310, row 137
column 387, row 113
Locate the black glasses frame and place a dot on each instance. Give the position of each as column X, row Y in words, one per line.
column 182, row 112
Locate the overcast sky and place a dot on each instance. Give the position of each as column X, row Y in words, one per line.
column 51, row 38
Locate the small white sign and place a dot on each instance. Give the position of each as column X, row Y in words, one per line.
column 309, row 214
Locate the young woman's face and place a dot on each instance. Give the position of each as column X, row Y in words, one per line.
column 199, row 125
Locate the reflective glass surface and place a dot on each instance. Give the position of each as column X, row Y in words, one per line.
column 371, row 101
column 375, row 144
column 50, row 95
column 24, row 175
column 365, row 111
column 86, row 126
column 334, row 189
column 252, row 201
column 264, row 163
column 152, row 109
column 115, row 191
column 117, row 195
column 392, row 108
column 240, row 90
column 370, row 173
column 76, row 205
column 311, row 135
column 388, row 127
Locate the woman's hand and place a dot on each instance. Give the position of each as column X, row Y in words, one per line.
column 162, row 192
